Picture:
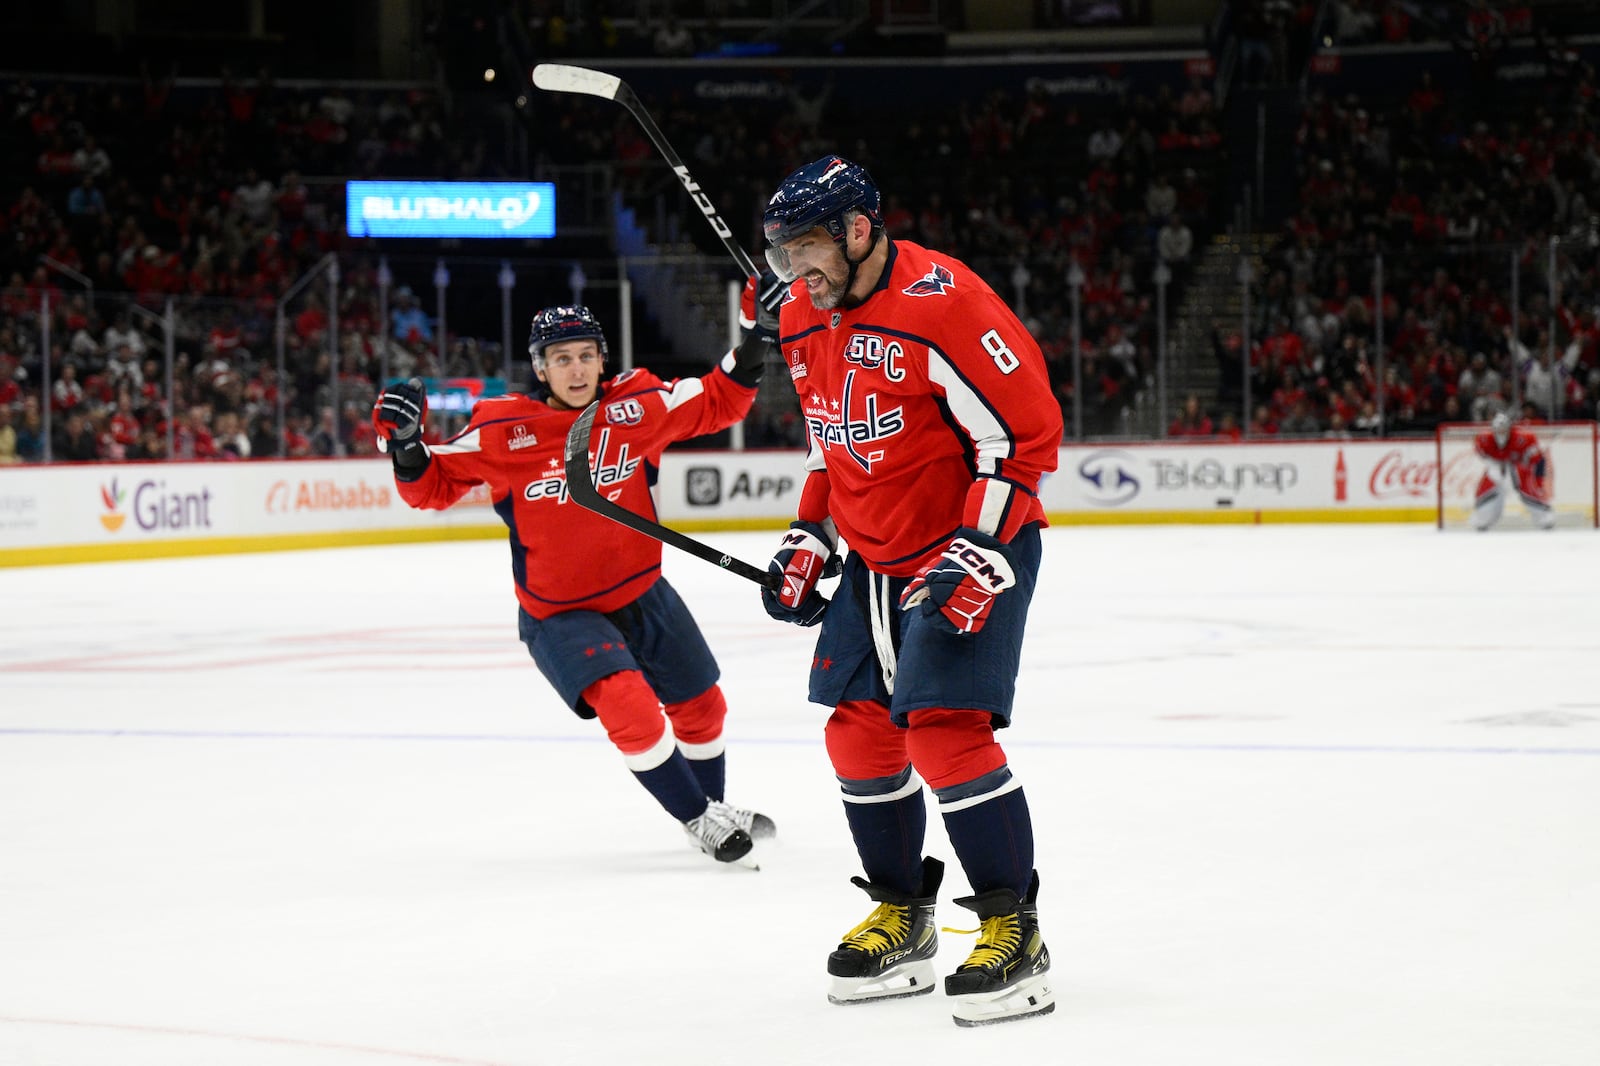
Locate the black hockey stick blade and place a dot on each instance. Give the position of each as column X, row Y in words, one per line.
column 581, row 487
column 564, row 78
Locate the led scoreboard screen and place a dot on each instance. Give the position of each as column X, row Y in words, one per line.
column 450, row 209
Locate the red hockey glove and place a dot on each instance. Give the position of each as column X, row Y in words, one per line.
column 956, row 591
column 801, row 561
column 397, row 417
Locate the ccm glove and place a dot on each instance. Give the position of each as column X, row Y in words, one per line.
column 397, row 416
column 801, row 561
column 750, row 357
column 956, row 591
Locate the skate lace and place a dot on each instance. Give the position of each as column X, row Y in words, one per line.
column 739, row 816
column 885, row 927
column 998, row 938
column 713, row 828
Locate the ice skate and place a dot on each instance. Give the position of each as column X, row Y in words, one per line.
column 756, row 824
column 716, row 834
column 1007, row 976
column 887, row 956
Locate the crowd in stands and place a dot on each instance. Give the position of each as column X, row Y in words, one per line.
column 981, row 180
column 1459, row 195
column 153, row 190
column 119, row 196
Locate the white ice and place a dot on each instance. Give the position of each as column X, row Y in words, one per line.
column 1303, row 796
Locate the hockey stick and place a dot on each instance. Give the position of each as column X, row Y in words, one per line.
column 580, row 486
column 561, row 78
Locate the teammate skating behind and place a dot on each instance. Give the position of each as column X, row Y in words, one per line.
column 1515, row 462
column 601, row 622
column 930, row 421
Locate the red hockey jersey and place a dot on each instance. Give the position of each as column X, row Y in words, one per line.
column 927, row 408
column 1521, row 449
column 564, row 557
column 1525, row 457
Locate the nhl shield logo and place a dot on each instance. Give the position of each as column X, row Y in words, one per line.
column 833, row 323
column 703, row 486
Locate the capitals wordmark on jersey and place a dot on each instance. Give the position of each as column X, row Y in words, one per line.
column 855, row 426
column 565, row 557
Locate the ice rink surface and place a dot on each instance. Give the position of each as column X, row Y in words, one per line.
column 1304, row 796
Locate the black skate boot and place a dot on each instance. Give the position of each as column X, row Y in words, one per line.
column 1007, row 976
column 717, row 835
column 886, row 956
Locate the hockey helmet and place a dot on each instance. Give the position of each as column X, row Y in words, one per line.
column 1500, row 426
column 568, row 322
column 818, row 194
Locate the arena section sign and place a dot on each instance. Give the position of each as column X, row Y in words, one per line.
column 496, row 209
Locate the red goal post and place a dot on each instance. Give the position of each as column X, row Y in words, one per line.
column 1570, row 448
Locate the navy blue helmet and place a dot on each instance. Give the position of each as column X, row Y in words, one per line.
column 571, row 322
column 818, row 194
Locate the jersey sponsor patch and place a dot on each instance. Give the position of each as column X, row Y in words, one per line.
column 521, row 437
column 935, row 282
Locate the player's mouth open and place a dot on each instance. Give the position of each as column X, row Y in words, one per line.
column 816, row 280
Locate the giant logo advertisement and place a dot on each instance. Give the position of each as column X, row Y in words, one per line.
column 151, row 505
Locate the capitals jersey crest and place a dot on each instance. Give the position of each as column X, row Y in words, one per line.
column 935, row 282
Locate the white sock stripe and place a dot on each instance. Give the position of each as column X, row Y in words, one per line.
column 1011, row 785
column 912, row 785
column 709, row 750
column 655, row 754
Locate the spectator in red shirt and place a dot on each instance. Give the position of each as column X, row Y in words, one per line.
column 1192, row 421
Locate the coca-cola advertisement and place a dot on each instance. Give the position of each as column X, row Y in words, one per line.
column 1404, row 473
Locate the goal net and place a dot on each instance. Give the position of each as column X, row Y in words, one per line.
column 1569, row 448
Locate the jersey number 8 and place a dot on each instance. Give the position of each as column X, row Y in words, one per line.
column 1003, row 357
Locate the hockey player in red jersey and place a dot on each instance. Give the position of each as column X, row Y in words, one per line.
column 601, row 622
column 931, row 422
column 1514, row 462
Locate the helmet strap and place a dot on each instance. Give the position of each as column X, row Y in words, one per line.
column 848, row 300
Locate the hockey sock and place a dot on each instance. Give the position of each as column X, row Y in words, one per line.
column 628, row 708
column 991, row 831
column 711, row 773
column 984, row 811
column 698, row 726
column 882, row 794
column 888, row 829
column 673, row 784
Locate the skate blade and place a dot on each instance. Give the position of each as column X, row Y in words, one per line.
column 915, row 979
column 1026, row 999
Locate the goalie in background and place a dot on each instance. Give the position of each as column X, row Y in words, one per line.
column 1514, row 462
column 601, row 622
